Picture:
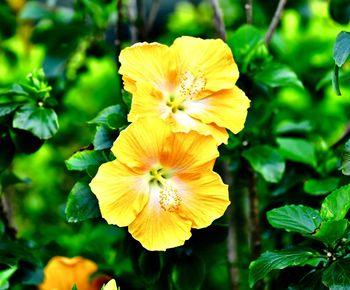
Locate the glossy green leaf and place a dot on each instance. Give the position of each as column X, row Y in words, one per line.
column 341, row 49
column 82, row 204
column 277, row 260
column 82, row 160
column 8, row 108
column 337, row 276
column 113, row 117
column 150, row 264
column 295, row 218
column 331, row 231
column 298, row 150
column 277, row 75
column 345, row 164
column 41, row 122
column 5, row 275
column 188, row 273
column 267, row 161
column 336, row 205
column 104, row 138
column 321, row 186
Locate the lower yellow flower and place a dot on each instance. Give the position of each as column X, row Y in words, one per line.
column 161, row 184
column 62, row 273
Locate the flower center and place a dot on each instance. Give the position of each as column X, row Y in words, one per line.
column 169, row 198
column 189, row 87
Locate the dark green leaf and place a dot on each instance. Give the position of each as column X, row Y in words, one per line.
column 188, row 273
column 277, row 260
column 82, row 160
column 331, row 231
column 311, row 281
column 321, row 186
column 345, row 164
column 41, row 122
column 104, row 137
column 288, row 126
column 277, row 75
column 82, row 204
column 340, row 11
column 336, row 205
column 341, row 49
column 267, row 161
column 113, row 117
column 8, row 108
column 25, row 141
column 295, row 218
column 337, row 276
column 7, row 151
column 150, row 264
column 297, row 150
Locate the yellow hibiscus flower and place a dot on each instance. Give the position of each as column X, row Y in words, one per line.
column 161, row 184
column 111, row 285
column 191, row 84
column 61, row 273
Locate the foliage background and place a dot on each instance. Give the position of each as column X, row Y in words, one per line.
column 288, row 82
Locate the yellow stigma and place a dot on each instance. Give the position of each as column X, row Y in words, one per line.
column 169, row 198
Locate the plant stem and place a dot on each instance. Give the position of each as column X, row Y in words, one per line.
column 275, row 20
column 232, row 253
column 152, row 15
column 218, row 19
column 132, row 14
column 249, row 11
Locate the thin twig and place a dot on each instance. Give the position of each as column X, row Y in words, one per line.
column 249, row 11
column 254, row 219
column 232, row 255
column 132, row 14
column 275, row 20
column 218, row 19
column 152, row 15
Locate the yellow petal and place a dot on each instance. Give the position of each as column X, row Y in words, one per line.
column 204, row 198
column 183, row 122
column 211, row 57
column 121, row 192
column 140, row 144
column 145, row 62
column 111, row 285
column 158, row 229
column 226, row 108
column 62, row 273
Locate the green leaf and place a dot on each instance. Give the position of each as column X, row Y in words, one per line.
column 150, row 264
column 340, row 11
column 331, row 231
column 112, row 117
column 311, row 281
column 267, row 161
column 277, row 260
column 82, row 204
column 287, row 126
column 5, row 275
column 295, row 218
column 277, row 75
column 298, row 150
column 76, row 288
column 41, row 122
column 82, row 160
column 337, row 276
column 341, row 49
column 336, row 205
column 321, row 186
column 188, row 273
column 345, row 164
column 104, row 138
column 8, row 108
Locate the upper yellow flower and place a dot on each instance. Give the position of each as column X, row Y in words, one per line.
column 62, row 273
column 161, row 184
column 191, row 84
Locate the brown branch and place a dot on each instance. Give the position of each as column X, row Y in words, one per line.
column 249, row 11
column 5, row 216
column 275, row 20
column 232, row 255
column 152, row 15
column 218, row 19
